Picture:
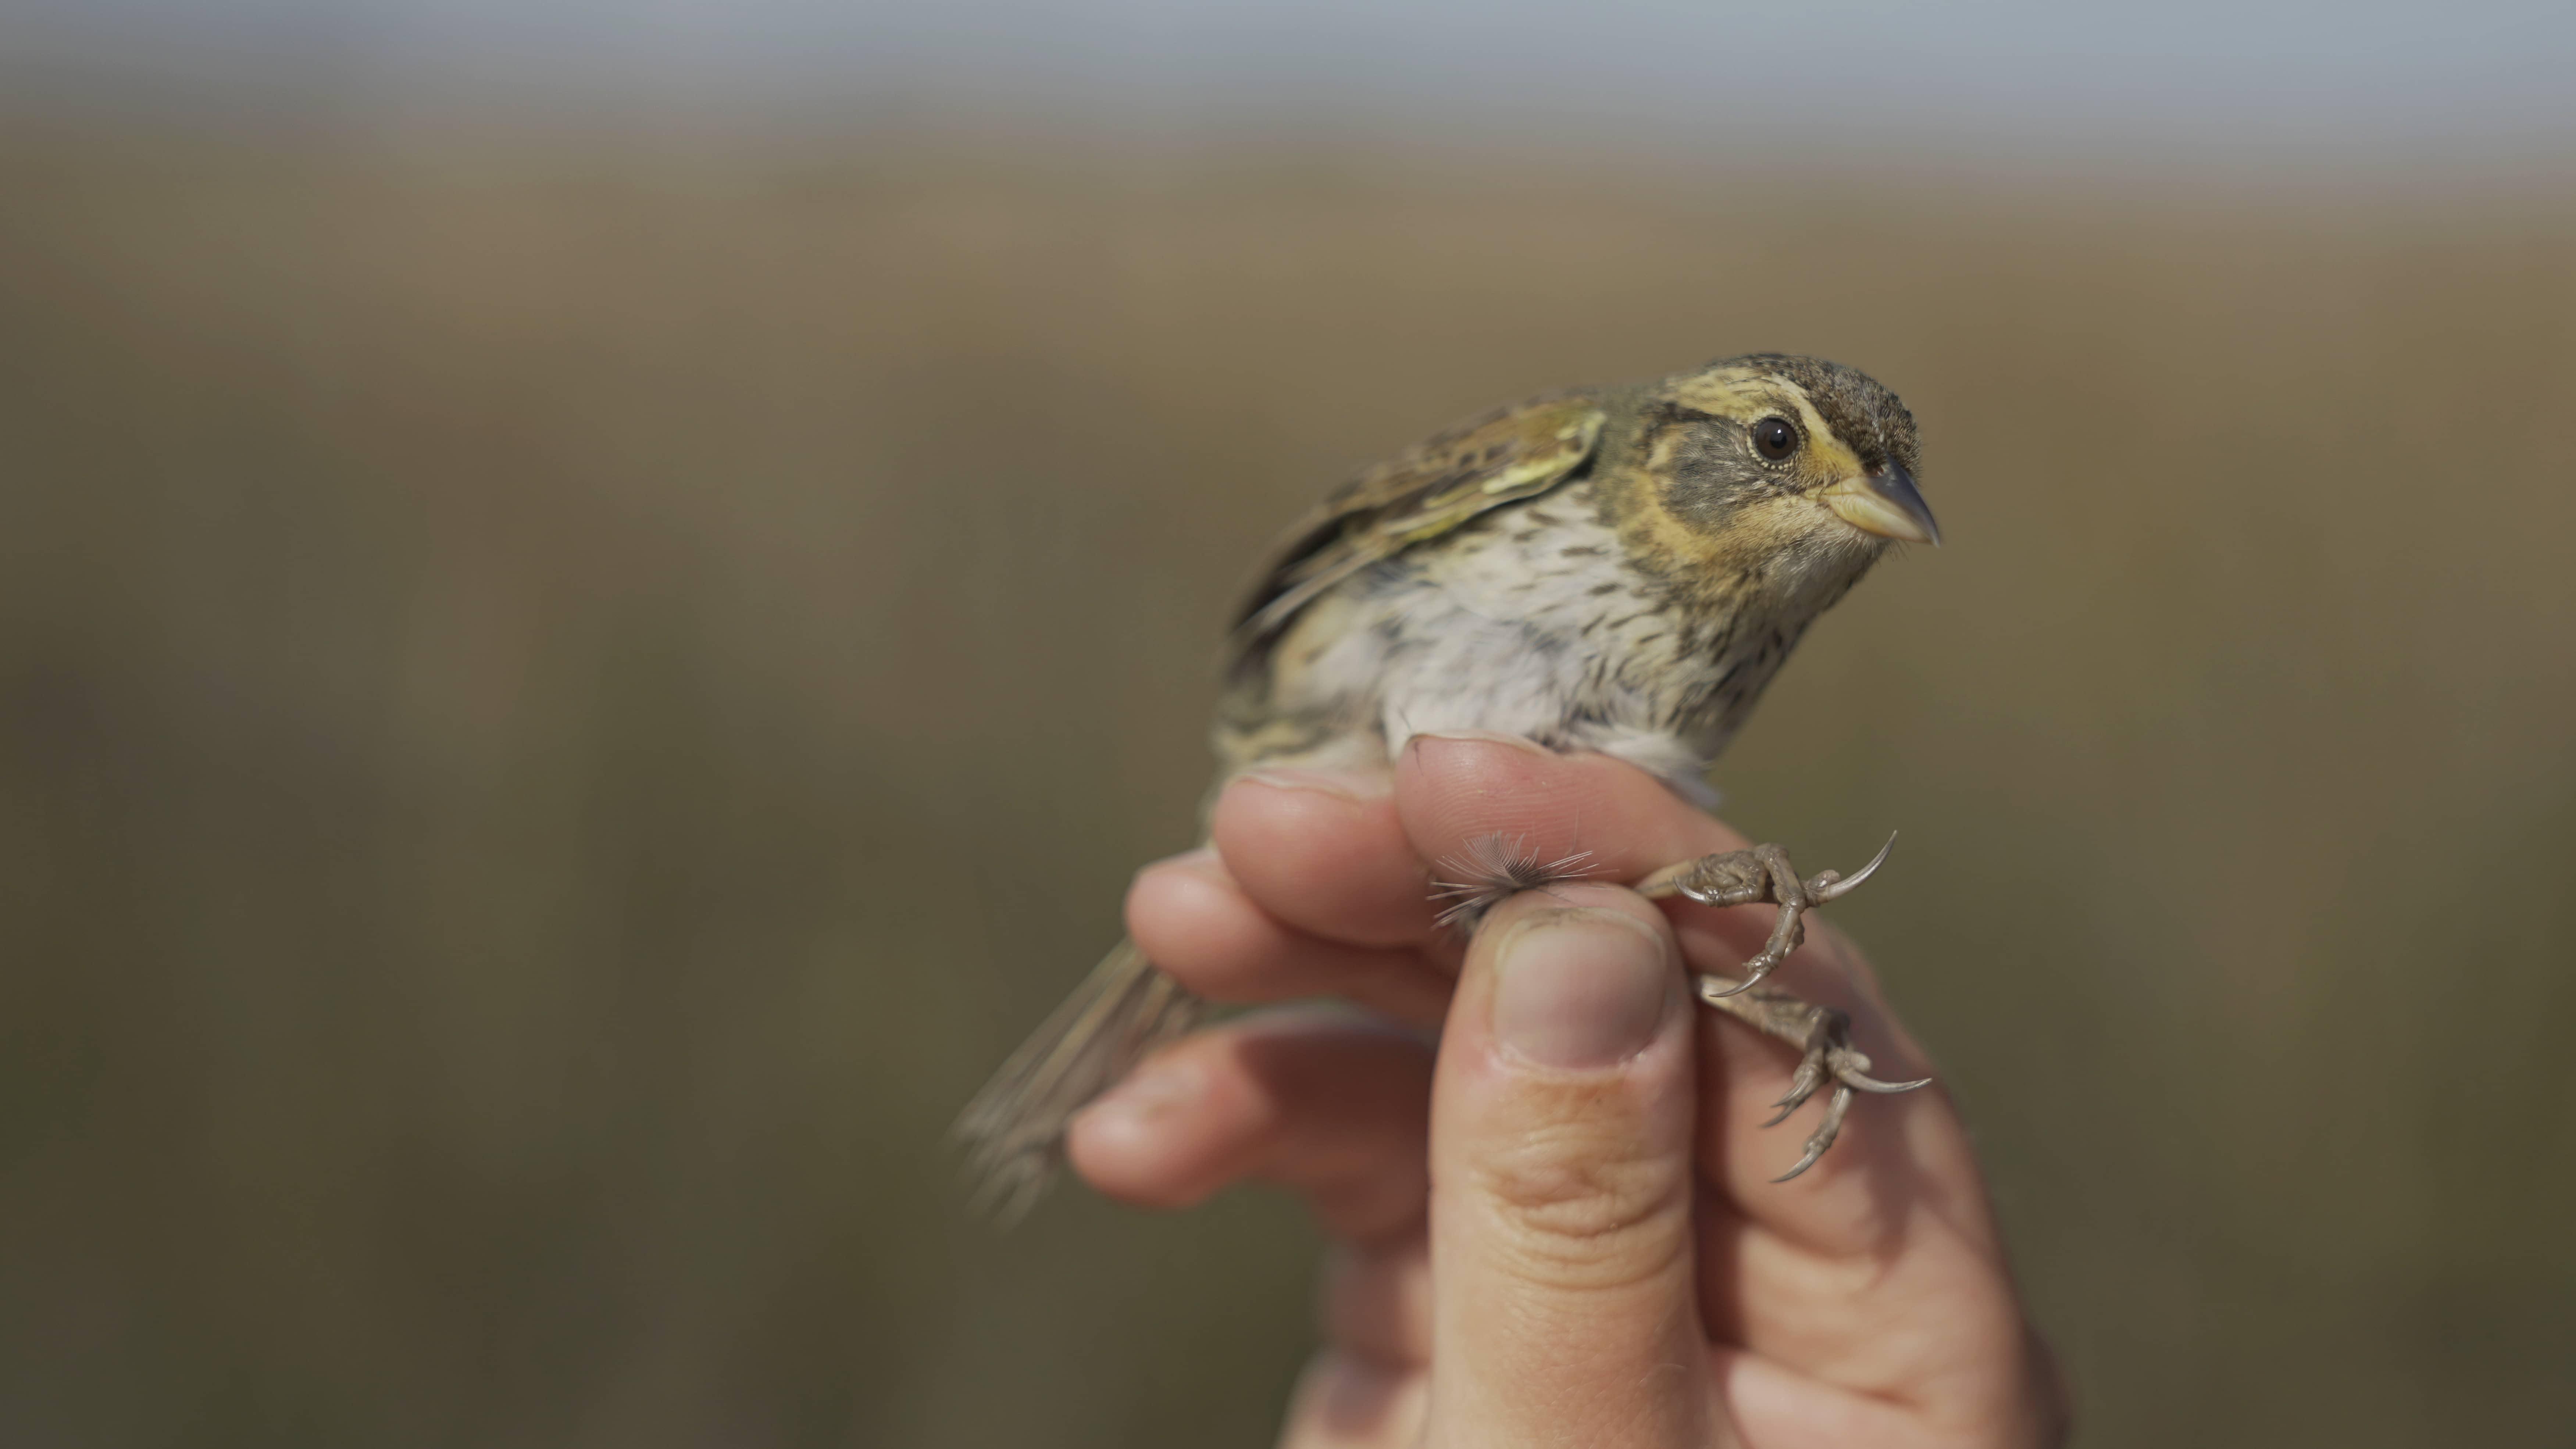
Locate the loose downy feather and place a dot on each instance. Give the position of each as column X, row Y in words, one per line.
column 1492, row 869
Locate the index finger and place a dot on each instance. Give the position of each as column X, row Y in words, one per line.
column 1453, row 789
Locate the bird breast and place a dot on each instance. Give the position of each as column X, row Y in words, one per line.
column 1528, row 622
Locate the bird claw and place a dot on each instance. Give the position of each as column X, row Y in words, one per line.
column 1823, row 1036
column 1824, row 1135
column 1753, row 877
column 1858, row 1081
column 1831, row 885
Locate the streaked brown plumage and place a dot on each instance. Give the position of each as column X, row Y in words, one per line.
column 1620, row 570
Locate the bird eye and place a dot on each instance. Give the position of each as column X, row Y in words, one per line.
column 1775, row 438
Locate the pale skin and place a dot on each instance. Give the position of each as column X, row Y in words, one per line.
column 1554, row 1223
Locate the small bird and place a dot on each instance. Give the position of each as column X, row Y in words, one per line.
column 1620, row 570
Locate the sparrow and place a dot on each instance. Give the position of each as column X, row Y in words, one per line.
column 1621, row 570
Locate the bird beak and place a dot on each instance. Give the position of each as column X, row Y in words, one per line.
column 1884, row 502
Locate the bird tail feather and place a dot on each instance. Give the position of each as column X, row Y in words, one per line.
column 1013, row 1130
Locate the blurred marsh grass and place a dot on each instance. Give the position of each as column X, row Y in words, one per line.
column 561, row 703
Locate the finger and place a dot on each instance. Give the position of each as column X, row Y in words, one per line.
column 1451, row 790
column 1328, row 1105
column 1561, row 1215
column 1324, row 852
column 1377, row 1299
column 1352, row 1401
column 1772, row 1404
column 1937, row 1335
column 1877, row 1275
column 1194, row 922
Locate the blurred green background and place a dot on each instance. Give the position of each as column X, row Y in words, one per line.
column 566, row 692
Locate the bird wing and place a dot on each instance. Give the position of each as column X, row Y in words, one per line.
column 1503, row 457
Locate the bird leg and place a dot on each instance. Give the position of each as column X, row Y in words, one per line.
column 1751, row 877
column 1820, row 1033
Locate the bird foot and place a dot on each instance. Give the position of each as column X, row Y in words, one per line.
column 1823, row 1037
column 1821, row 1034
column 1752, row 877
column 1493, row 868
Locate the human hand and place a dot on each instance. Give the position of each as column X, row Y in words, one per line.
column 1558, row 1229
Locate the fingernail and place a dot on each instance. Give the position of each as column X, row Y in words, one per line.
column 1153, row 1092
column 1348, row 784
column 1580, row 988
column 1202, row 861
column 1518, row 742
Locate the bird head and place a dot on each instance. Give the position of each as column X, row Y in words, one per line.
column 1791, row 471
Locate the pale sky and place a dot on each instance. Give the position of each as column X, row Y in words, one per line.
column 2413, row 79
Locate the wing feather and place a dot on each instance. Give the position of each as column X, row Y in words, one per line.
column 1500, row 458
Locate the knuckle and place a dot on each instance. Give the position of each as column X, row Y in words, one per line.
column 1573, row 1214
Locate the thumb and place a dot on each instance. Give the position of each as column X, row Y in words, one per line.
column 1563, row 1295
